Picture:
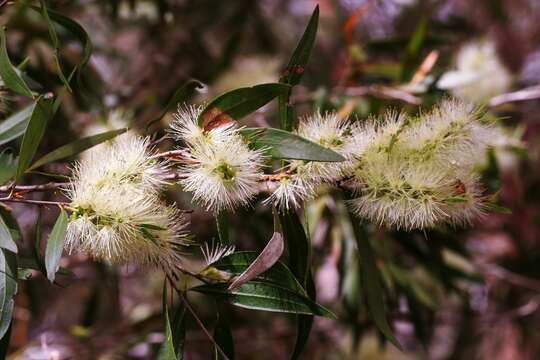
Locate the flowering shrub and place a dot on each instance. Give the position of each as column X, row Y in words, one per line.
column 404, row 170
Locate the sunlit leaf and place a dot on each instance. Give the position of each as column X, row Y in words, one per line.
column 282, row 144
column 55, row 245
column 238, row 103
column 76, row 147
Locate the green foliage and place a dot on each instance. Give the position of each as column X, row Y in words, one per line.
column 8, row 73
column 76, row 147
column 281, row 144
column 15, row 125
column 238, row 103
column 55, row 245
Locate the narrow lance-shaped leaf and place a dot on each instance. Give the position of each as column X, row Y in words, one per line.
column 76, row 147
column 372, row 287
column 181, row 94
column 300, row 252
column 238, row 103
column 6, row 238
column 223, row 335
column 300, row 57
column 282, row 144
column 8, row 288
column 34, row 133
column 8, row 166
column 15, row 125
column 266, row 259
column 8, row 73
column 266, row 296
column 167, row 352
column 55, row 245
column 76, row 29
column 295, row 70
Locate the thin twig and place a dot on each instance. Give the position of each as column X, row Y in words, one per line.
column 51, row 186
column 510, row 277
column 35, row 202
column 197, row 319
column 529, row 93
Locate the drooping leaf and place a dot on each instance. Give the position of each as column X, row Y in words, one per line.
column 55, row 245
column 266, row 259
column 266, row 296
column 8, row 288
column 282, row 144
column 223, row 336
column 78, row 31
column 35, row 130
column 8, row 166
column 238, row 103
column 299, row 248
column 15, row 125
column 76, row 147
column 370, row 279
column 238, row 262
column 180, row 95
column 6, row 238
column 167, row 352
column 8, row 72
column 300, row 57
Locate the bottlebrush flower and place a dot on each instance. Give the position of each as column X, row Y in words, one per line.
column 222, row 175
column 333, row 133
column 292, row 189
column 222, row 171
column 123, row 226
column 117, row 214
column 125, row 160
column 479, row 74
column 419, row 172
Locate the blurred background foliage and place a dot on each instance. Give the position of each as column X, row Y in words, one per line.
column 451, row 294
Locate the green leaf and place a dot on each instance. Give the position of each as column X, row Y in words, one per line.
column 55, row 245
column 299, row 248
column 238, row 262
column 35, row 130
column 8, row 288
column 223, row 228
column 372, row 287
column 6, row 239
column 266, row 259
column 223, row 336
column 295, row 70
column 166, row 352
column 238, row 103
column 266, row 296
column 15, row 125
column 410, row 60
column 300, row 57
column 281, row 144
column 8, row 166
column 78, row 31
column 4, row 343
column 76, row 147
column 180, row 95
column 8, row 72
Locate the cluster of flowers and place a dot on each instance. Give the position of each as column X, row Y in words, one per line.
column 117, row 211
column 406, row 172
column 402, row 171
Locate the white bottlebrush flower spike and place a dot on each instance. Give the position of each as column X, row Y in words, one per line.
column 419, row 172
column 292, row 190
column 479, row 74
column 215, row 251
column 126, row 160
column 118, row 215
column 222, row 171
